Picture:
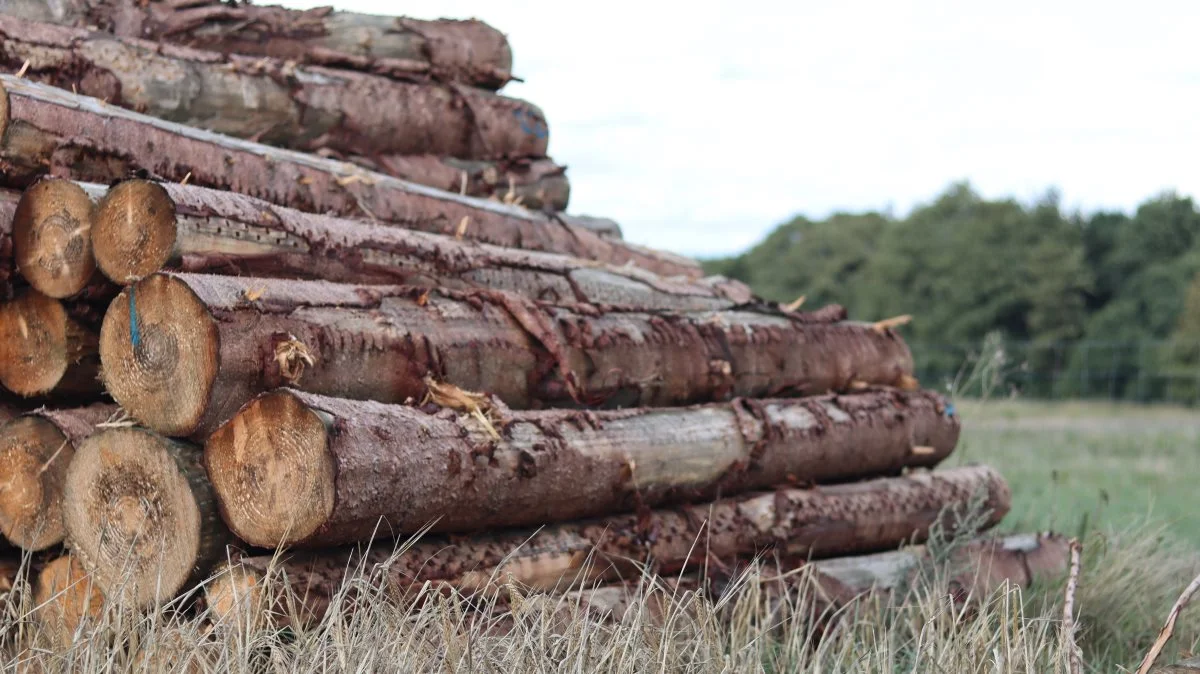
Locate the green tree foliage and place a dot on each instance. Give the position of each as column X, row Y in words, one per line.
column 966, row 267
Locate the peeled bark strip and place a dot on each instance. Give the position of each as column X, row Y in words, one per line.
column 44, row 348
column 300, row 470
column 66, row 597
column 302, row 107
column 799, row 523
column 51, row 239
column 141, row 226
column 470, row 51
column 140, row 515
column 35, row 450
column 183, row 352
column 41, row 133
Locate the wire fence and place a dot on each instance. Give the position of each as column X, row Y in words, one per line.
column 1147, row 371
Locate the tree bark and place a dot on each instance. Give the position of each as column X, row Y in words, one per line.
column 795, row 523
column 40, row 127
column 306, row 108
column 470, row 51
column 141, row 226
column 35, row 450
column 182, row 352
column 140, row 515
column 368, row 469
column 47, row 346
column 535, row 183
column 66, row 596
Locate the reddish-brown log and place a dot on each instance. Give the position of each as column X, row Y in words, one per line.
column 469, row 51
column 35, row 450
column 306, row 108
column 182, row 352
column 141, row 226
column 293, row 469
column 538, row 183
column 40, row 130
column 816, row 523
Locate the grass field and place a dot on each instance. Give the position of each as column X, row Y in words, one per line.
column 1120, row 477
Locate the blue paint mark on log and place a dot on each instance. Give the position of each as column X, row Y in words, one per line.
column 531, row 124
column 134, row 335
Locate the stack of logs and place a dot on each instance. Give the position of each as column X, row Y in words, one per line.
column 284, row 289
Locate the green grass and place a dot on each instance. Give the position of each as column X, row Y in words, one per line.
column 1079, row 466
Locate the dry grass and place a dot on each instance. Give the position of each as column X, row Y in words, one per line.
column 1128, row 583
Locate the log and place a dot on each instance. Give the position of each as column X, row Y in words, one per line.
column 469, row 51
column 47, row 346
column 534, row 183
column 303, row 107
column 141, row 226
column 10, row 570
column 823, row 522
column 140, row 515
column 52, row 243
column 40, row 130
column 35, row 450
column 183, row 352
column 293, row 469
column 66, row 599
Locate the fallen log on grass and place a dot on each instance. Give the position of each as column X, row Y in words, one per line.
column 306, row 108
column 140, row 515
column 49, row 347
column 182, row 352
column 35, row 450
column 293, row 469
column 469, row 51
column 141, row 226
column 821, row 522
column 40, row 127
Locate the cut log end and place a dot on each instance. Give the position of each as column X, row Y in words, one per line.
column 272, row 471
column 134, row 232
column 66, row 596
column 34, row 455
column 37, row 344
column 131, row 514
column 159, row 347
column 235, row 595
column 52, row 242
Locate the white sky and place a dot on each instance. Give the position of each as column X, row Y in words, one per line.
column 716, row 121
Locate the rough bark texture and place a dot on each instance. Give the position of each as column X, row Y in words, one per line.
column 65, row 597
column 471, row 51
column 35, row 450
column 307, row 108
column 182, row 352
column 228, row 233
column 49, row 347
column 8, row 209
column 372, row 470
column 41, row 133
column 141, row 516
column 826, row 522
column 538, row 183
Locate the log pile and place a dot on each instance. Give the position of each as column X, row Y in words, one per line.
column 227, row 351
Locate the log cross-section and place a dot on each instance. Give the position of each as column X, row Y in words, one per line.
column 182, row 352
column 296, row 469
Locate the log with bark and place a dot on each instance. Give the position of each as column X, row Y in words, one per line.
column 141, row 226
column 470, row 52
column 183, row 352
column 534, row 183
column 35, row 450
column 40, row 126
column 306, row 108
column 140, row 515
column 814, row 523
column 293, row 469
column 66, row 598
column 49, row 347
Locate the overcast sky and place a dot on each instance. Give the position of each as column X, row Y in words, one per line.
column 714, row 122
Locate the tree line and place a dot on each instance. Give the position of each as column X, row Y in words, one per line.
column 972, row 270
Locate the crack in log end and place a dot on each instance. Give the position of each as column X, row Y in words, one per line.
column 34, row 455
column 133, row 514
column 52, row 243
column 165, row 379
column 134, row 230
column 34, row 349
column 272, row 470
